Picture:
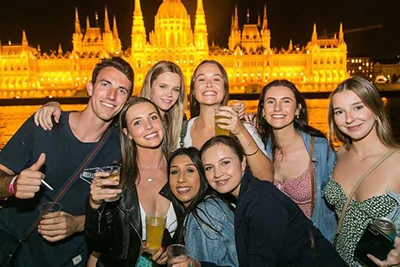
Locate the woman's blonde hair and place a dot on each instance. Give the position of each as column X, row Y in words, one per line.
column 369, row 95
column 173, row 118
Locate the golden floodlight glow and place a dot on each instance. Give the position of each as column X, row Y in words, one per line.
column 247, row 54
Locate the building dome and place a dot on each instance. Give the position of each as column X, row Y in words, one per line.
column 172, row 9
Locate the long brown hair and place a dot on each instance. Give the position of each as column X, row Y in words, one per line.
column 173, row 118
column 194, row 105
column 369, row 95
column 130, row 172
column 300, row 123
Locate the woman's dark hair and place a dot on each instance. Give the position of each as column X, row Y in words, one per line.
column 205, row 191
column 300, row 123
column 130, row 171
column 229, row 141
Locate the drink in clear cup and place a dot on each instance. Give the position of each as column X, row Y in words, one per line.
column 154, row 231
column 49, row 207
column 176, row 253
column 218, row 130
column 114, row 172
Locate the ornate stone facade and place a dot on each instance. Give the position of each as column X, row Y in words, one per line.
column 250, row 61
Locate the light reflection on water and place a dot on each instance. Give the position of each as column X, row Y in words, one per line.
column 12, row 117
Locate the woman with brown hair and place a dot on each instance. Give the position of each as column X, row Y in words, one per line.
column 209, row 95
column 302, row 156
column 117, row 230
column 368, row 162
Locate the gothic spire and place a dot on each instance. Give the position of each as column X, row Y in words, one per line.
column 199, row 9
column 341, row 35
column 314, row 36
column 77, row 24
column 115, row 30
column 138, row 10
column 24, row 39
column 265, row 19
column 106, row 21
column 236, row 22
column 87, row 22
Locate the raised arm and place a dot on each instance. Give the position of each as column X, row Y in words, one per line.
column 43, row 116
column 260, row 165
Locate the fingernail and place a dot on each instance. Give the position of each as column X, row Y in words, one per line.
column 162, row 247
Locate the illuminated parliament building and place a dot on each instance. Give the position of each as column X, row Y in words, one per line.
column 249, row 59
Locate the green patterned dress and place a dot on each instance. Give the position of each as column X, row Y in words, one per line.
column 357, row 217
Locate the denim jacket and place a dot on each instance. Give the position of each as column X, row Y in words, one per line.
column 324, row 159
column 205, row 244
column 394, row 215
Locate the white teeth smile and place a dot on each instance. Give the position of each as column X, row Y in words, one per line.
column 278, row 116
column 149, row 136
column 209, row 93
column 107, row 104
column 183, row 189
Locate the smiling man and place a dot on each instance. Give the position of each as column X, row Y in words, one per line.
column 34, row 154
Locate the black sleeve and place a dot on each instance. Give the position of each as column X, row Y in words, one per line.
column 96, row 227
column 266, row 222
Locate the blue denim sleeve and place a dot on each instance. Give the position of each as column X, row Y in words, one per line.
column 212, row 245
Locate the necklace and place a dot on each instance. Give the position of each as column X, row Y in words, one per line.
column 150, row 179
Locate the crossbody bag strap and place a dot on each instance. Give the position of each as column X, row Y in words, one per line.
column 359, row 181
column 72, row 178
column 312, row 173
column 183, row 133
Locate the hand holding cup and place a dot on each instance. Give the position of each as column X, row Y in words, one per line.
column 228, row 120
column 105, row 186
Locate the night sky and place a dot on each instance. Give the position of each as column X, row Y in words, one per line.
column 50, row 22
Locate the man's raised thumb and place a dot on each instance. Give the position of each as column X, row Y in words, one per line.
column 39, row 163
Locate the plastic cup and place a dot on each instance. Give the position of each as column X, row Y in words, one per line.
column 218, row 130
column 176, row 253
column 114, row 172
column 154, row 232
column 49, row 207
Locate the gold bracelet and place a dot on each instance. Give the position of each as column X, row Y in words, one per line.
column 252, row 154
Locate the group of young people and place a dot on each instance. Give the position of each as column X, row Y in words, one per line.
column 264, row 196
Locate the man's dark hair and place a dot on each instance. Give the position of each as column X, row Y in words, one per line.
column 117, row 63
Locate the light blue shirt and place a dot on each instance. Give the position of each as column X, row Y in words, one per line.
column 205, row 244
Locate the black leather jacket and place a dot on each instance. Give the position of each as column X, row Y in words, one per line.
column 115, row 229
